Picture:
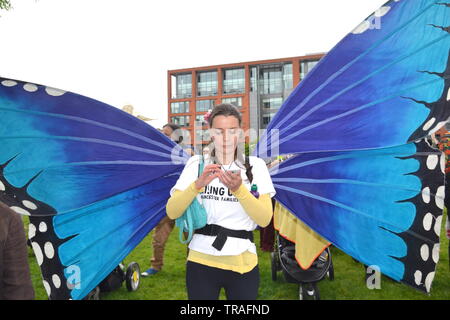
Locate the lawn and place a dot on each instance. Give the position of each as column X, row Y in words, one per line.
column 349, row 282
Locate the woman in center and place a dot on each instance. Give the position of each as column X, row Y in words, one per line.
column 223, row 254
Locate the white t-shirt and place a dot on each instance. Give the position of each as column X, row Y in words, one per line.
column 223, row 208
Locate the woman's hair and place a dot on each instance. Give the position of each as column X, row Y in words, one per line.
column 228, row 110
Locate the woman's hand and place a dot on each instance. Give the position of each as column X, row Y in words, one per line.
column 231, row 180
column 210, row 172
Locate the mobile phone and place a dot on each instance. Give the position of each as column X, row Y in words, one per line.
column 237, row 171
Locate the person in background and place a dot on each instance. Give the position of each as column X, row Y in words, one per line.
column 267, row 234
column 165, row 226
column 15, row 279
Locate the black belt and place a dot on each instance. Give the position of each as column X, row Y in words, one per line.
column 222, row 234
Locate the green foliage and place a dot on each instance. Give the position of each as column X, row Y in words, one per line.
column 5, row 4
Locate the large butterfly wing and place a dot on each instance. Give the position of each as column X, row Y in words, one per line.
column 383, row 207
column 93, row 178
column 385, row 84
column 77, row 250
column 47, row 134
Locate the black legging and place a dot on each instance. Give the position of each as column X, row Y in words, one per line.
column 204, row 283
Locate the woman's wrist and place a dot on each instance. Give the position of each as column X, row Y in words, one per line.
column 236, row 188
column 240, row 192
column 197, row 186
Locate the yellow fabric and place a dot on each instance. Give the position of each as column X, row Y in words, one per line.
column 308, row 244
column 242, row 263
column 259, row 209
column 180, row 201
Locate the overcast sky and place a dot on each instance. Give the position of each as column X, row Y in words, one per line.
column 119, row 52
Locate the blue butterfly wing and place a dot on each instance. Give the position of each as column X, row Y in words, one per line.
column 383, row 207
column 383, row 88
column 93, row 179
column 385, row 84
column 89, row 243
column 45, row 137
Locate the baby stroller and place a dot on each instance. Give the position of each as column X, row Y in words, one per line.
column 131, row 276
column 283, row 259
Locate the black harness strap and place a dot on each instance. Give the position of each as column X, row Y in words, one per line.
column 222, row 234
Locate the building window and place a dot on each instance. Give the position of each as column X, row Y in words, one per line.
column 271, row 80
column 237, row 102
column 288, row 78
column 182, row 121
column 253, row 79
column 179, row 107
column 202, row 135
column 199, row 119
column 234, row 81
column 266, row 119
column 207, row 83
column 272, row 103
column 183, row 86
column 204, row 105
column 306, row 67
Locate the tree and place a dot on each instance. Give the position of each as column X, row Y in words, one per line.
column 5, row 4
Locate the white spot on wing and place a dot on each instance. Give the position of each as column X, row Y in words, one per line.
column 38, row 253
column 432, row 161
column 47, row 287
column 54, row 92
column 382, row 11
column 424, row 252
column 9, row 83
column 20, row 210
column 31, row 230
column 30, row 87
column 439, row 198
column 443, row 163
column 418, row 277
column 429, row 124
column 363, row 27
column 29, row 205
column 42, row 227
column 437, row 225
column 426, row 195
column 49, row 250
column 435, row 252
column 56, row 281
column 428, row 281
column 427, row 221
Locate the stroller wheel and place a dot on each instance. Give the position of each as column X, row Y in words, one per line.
column 308, row 291
column 94, row 294
column 330, row 272
column 133, row 276
column 273, row 260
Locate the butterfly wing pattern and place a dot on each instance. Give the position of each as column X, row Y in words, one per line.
column 361, row 175
column 382, row 85
column 372, row 204
column 93, row 179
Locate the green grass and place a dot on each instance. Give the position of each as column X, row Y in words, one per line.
column 349, row 282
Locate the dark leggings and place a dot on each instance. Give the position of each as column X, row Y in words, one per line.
column 204, row 283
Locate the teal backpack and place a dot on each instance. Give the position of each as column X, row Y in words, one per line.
column 194, row 217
